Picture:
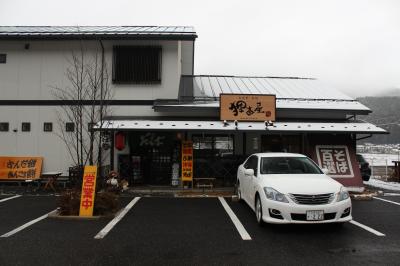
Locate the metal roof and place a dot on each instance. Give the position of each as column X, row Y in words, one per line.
column 309, row 104
column 93, row 32
column 348, row 127
column 210, row 86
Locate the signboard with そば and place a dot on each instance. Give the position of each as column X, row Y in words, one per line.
column 336, row 159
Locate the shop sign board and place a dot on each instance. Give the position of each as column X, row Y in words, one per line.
column 187, row 160
column 247, row 107
column 336, row 158
column 20, row 168
column 88, row 190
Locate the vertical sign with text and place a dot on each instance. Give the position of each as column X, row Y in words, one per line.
column 187, row 160
column 88, row 190
column 336, row 159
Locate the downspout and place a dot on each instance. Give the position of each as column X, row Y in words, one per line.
column 101, row 108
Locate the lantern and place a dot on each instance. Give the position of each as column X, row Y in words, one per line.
column 120, row 141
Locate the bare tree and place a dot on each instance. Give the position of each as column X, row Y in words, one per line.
column 85, row 103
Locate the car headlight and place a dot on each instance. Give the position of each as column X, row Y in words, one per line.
column 343, row 194
column 272, row 194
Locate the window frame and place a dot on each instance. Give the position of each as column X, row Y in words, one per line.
column 68, row 127
column 3, row 58
column 6, row 126
column 26, row 127
column 134, row 58
column 47, row 124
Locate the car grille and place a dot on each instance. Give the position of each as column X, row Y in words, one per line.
column 312, row 199
column 303, row 217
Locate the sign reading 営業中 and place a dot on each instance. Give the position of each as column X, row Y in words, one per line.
column 187, row 160
column 20, row 167
column 88, row 191
column 336, row 159
column 247, row 107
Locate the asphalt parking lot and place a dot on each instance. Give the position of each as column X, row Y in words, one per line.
column 193, row 231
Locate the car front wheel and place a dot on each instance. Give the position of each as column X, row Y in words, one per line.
column 259, row 213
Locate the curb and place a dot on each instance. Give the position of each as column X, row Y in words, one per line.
column 364, row 196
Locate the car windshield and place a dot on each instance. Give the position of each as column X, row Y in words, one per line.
column 288, row 165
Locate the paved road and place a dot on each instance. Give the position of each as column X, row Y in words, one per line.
column 194, row 231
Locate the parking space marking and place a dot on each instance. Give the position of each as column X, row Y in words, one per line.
column 369, row 229
column 239, row 226
column 393, row 202
column 118, row 218
column 22, row 227
column 391, row 194
column 10, row 198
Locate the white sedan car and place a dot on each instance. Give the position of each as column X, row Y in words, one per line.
column 291, row 188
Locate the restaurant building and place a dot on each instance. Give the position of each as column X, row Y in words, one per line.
column 168, row 124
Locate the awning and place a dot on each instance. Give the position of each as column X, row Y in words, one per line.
column 328, row 127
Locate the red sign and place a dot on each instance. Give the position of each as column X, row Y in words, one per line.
column 336, row 159
column 187, row 160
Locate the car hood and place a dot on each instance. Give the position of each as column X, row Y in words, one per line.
column 301, row 184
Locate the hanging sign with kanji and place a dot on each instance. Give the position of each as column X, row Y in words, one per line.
column 23, row 168
column 88, row 190
column 187, row 160
column 336, row 159
column 247, row 107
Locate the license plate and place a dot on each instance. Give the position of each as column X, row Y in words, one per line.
column 315, row 215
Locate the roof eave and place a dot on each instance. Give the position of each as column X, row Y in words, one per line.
column 58, row 37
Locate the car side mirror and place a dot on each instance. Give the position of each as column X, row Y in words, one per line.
column 325, row 171
column 249, row 172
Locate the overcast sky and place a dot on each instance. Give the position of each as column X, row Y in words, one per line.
column 352, row 44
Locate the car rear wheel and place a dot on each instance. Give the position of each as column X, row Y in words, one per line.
column 239, row 192
column 259, row 213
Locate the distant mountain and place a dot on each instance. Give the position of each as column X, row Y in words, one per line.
column 386, row 114
column 388, row 93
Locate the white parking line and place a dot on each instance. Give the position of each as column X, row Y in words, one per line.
column 393, row 202
column 10, row 198
column 239, row 226
column 392, row 194
column 22, row 227
column 369, row 229
column 118, row 218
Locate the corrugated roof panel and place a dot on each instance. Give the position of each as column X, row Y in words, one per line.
column 250, row 85
column 292, row 88
column 242, row 85
column 268, row 89
column 198, row 90
column 207, row 87
column 224, row 84
column 282, row 91
column 216, row 86
column 233, row 87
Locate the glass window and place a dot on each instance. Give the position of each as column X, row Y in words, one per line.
column 26, row 127
column 3, row 58
column 288, row 165
column 4, row 126
column 137, row 64
column 69, row 127
column 213, row 145
column 48, row 127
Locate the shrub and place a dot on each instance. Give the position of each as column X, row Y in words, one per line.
column 106, row 203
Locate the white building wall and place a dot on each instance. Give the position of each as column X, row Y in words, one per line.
column 31, row 74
